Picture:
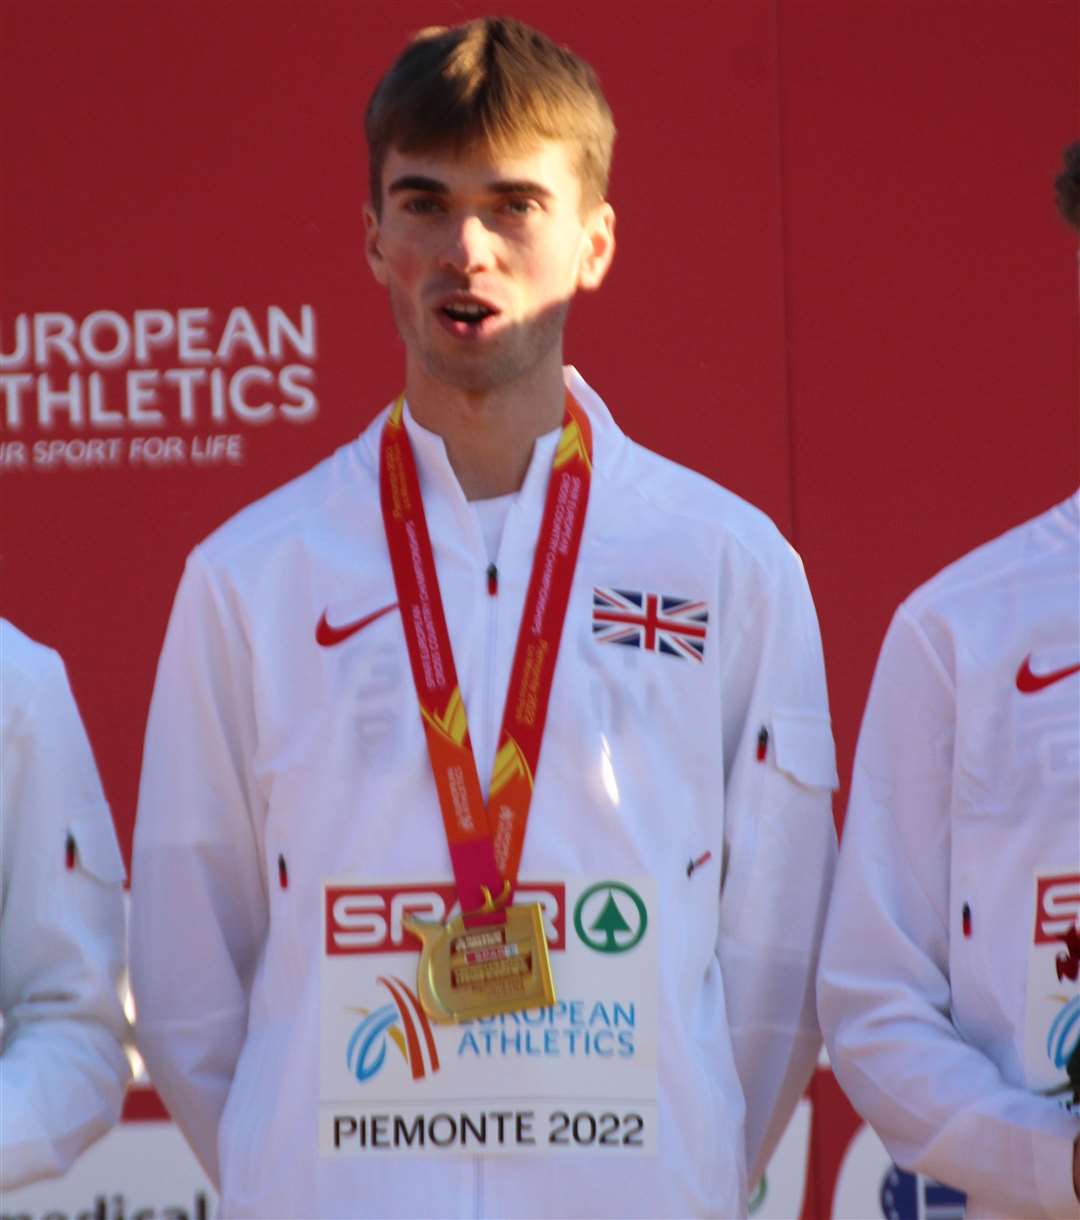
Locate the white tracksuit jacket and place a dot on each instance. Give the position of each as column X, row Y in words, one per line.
column 260, row 744
column 62, row 1068
column 966, row 786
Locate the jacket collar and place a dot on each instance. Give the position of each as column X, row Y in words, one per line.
column 439, row 486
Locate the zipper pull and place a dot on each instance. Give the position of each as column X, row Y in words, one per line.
column 698, row 863
column 492, row 579
column 762, row 744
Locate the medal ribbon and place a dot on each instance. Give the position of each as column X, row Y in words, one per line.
column 485, row 841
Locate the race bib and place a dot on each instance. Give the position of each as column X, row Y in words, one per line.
column 577, row 1074
column 1052, row 1020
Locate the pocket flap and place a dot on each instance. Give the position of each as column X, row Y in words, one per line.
column 805, row 750
column 96, row 848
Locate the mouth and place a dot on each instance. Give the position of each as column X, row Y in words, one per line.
column 467, row 317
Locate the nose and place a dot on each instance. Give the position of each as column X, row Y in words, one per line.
column 468, row 248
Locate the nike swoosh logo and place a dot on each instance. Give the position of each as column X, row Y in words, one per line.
column 328, row 636
column 1028, row 683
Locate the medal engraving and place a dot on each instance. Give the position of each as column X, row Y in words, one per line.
column 466, row 973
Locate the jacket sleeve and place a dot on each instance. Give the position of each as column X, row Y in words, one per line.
column 780, row 849
column 199, row 906
column 940, row 1105
column 63, row 1067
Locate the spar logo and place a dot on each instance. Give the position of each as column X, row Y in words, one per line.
column 369, row 918
column 401, row 1022
column 1057, row 907
column 1057, row 922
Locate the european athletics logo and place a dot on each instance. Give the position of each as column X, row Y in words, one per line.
column 1063, row 1038
column 405, row 1023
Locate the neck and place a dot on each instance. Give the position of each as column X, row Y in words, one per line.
column 489, row 434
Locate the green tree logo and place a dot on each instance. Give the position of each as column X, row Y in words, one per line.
column 610, row 917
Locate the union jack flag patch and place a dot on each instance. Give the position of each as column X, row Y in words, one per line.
column 653, row 621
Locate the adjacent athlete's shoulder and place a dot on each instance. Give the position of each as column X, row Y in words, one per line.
column 1038, row 544
column 25, row 667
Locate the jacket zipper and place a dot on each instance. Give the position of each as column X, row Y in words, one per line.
column 491, row 706
column 478, row 1186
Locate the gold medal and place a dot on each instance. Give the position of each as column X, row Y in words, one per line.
column 470, row 972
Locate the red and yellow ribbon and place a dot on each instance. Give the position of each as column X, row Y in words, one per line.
column 485, row 841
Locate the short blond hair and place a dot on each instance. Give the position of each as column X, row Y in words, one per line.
column 493, row 81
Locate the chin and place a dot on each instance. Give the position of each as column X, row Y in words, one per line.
column 474, row 372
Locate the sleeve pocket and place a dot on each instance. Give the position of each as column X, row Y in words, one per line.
column 804, row 750
column 96, row 849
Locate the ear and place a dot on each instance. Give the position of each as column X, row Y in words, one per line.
column 599, row 247
column 372, row 248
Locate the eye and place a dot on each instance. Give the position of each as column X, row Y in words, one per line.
column 423, row 205
column 520, row 206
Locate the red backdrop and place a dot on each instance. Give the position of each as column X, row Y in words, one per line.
column 841, row 288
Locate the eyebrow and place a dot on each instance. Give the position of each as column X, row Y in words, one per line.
column 432, row 186
column 519, row 186
column 416, row 182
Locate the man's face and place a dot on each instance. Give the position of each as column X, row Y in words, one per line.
column 481, row 254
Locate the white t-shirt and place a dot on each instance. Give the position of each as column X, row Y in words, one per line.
column 491, row 515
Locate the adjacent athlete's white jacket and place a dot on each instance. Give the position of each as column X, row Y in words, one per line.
column 966, row 788
column 262, row 744
column 62, row 1068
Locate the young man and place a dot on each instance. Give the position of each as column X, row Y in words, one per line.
column 327, row 716
column 63, row 1069
column 949, row 989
